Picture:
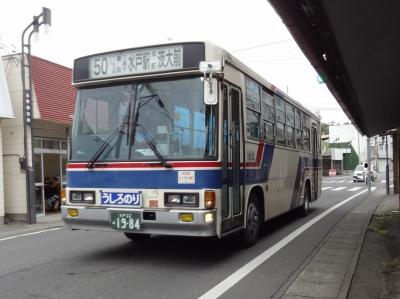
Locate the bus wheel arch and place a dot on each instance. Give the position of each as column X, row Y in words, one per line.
column 258, row 194
column 254, row 217
column 304, row 209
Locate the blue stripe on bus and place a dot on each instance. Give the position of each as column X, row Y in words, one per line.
column 303, row 163
column 165, row 179
column 139, row 179
column 261, row 174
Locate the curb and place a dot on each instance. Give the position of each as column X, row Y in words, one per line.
column 348, row 278
column 335, row 283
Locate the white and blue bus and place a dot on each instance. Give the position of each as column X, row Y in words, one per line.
column 184, row 139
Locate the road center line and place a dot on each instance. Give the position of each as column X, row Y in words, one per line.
column 30, row 234
column 239, row 274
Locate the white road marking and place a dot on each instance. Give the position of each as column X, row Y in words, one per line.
column 350, row 181
column 373, row 188
column 30, row 234
column 339, row 188
column 326, row 188
column 340, row 181
column 242, row 272
column 354, row 189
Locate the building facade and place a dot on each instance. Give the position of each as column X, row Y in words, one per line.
column 6, row 112
column 346, row 143
column 47, row 138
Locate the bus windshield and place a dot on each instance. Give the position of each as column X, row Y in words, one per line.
column 145, row 121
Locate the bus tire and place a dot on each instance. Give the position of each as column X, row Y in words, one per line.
column 305, row 208
column 137, row 237
column 253, row 223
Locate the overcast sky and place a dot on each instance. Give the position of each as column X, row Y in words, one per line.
column 250, row 30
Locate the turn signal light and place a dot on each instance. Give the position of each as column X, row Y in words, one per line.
column 209, row 199
column 73, row 213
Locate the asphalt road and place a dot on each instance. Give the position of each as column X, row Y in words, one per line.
column 78, row 264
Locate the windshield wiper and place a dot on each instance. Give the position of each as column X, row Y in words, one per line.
column 152, row 144
column 147, row 137
column 106, row 142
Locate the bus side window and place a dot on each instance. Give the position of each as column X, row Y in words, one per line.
column 253, row 100
column 268, row 115
column 290, row 117
column 280, row 121
column 299, row 131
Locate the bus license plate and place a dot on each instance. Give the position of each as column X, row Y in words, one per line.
column 127, row 221
column 131, row 199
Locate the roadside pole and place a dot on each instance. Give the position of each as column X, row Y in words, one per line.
column 387, row 166
column 369, row 165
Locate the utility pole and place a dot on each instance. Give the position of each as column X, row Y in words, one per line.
column 387, row 166
column 368, row 178
column 27, row 90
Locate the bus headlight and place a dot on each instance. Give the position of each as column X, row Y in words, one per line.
column 189, row 199
column 88, row 197
column 181, row 199
column 174, row 199
column 82, row 197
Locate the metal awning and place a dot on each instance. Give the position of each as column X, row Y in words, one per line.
column 355, row 46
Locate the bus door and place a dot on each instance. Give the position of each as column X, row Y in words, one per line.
column 232, row 191
column 314, row 136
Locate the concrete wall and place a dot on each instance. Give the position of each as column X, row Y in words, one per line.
column 13, row 148
column 1, row 182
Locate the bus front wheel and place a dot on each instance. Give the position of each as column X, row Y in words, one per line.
column 253, row 223
column 137, row 237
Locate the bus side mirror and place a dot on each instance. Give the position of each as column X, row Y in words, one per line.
column 365, row 165
column 210, row 91
column 208, row 68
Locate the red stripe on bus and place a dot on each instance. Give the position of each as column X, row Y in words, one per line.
column 257, row 162
column 146, row 165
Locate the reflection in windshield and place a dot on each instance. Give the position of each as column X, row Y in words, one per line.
column 172, row 112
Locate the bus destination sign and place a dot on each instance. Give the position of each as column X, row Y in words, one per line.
column 136, row 61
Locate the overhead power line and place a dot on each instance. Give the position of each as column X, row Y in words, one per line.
column 264, row 45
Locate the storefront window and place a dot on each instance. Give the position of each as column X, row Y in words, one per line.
column 50, row 144
column 50, row 160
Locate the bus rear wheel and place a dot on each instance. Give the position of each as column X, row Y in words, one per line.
column 253, row 223
column 137, row 237
column 305, row 208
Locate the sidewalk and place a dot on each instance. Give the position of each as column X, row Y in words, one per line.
column 330, row 271
column 42, row 223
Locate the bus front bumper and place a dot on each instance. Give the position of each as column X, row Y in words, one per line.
column 166, row 222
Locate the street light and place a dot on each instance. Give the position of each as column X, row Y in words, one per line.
column 26, row 69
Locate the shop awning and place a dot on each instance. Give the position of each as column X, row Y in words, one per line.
column 54, row 92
